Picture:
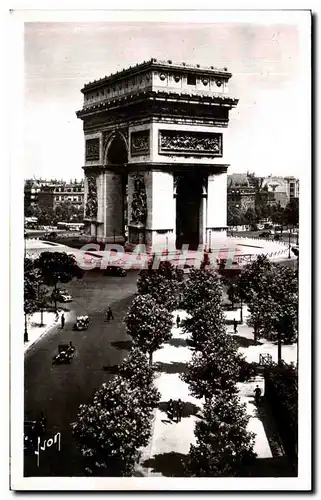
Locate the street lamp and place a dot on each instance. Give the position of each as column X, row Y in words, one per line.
column 210, row 241
column 241, row 315
column 26, row 330
column 289, row 254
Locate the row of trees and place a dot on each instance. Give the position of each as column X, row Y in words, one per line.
column 288, row 216
column 49, row 269
column 223, row 446
column 112, row 429
column 271, row 292
column 64, row 212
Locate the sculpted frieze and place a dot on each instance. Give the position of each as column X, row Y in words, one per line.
column 139, row 143
column 92, row 149
column 195, row 143
column 92, row 202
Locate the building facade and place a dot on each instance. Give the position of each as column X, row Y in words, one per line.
column 69, row 192
column 283, row 188
column 240, row 193
column 157, row 129
column 50, row 193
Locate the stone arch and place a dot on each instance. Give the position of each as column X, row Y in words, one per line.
column 116, row 150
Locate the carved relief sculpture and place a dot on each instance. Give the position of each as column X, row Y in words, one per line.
column 139, row 143
column 193, row 143
column 139, row 202
column 92, row 204
column 92, row 149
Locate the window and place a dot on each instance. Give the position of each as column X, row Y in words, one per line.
column 191, row 79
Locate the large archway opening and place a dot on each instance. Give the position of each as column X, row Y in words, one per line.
column 188, row 209
column 116, row 160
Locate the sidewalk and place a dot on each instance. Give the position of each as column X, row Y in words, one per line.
column 35, row 331
column 170, row 443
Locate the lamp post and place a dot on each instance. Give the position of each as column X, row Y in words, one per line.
column 297, row 238
column 241, row 314
column 289, row 254
column 26, row 330
column 210, row 241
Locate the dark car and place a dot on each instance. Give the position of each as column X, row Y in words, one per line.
column 50, row 236
column 65, row 354
column 62, row 296
column 265, row 234
column 115, row 271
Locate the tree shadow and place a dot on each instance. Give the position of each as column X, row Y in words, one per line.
column 123, row 344
column 244, row 341
column 168, row 464
column 170, row 367
column 262, row 413
column 111, row 369
column 178, row 342
column 188, row 409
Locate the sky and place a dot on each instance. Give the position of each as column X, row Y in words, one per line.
column 59, row 58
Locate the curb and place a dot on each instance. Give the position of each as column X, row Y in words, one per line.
column 49, row 327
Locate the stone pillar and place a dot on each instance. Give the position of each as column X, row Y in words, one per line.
column 161, row 218
column 111, row 204
column 203, row 217
column 217, row 206
column 136, row 226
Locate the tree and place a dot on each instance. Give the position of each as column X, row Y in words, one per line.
column 213, row 369
column 111, row 430
column 233, row 293
column 272, row 295
column 163, row 284
column 234, row 214
column 140, row 375
column 253, row 276
column 291, row 212
column 43, row 299
column 206, row 322
column 224, row 447
column 30, row 291
column 201, row 286
column 57, row 267
column 148, row 323
column 250, row 216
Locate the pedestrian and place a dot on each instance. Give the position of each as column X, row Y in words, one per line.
column 170, row 409
column 57, row 316
column 178, row 321
column 257, row 393
column 235, row 325
column 62, row 319
column 109, row 314
column 179, row 410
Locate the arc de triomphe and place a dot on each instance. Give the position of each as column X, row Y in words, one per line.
column 155, row 163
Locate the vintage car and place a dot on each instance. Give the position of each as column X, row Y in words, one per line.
column 62, row 296
column 82, row 323
column 265, row 234
column 115, row 271
column 65, row 353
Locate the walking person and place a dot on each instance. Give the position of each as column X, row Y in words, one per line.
column 170, row 409
column 235, row 325
column 62, row 319
column 179, row 410
column 109, row 314
column 257, row 394
column 57, row 317
column 178, row 321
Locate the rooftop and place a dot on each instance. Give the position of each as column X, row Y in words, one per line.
column 159, row 64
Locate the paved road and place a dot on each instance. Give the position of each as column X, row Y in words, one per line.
column 59, row 389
